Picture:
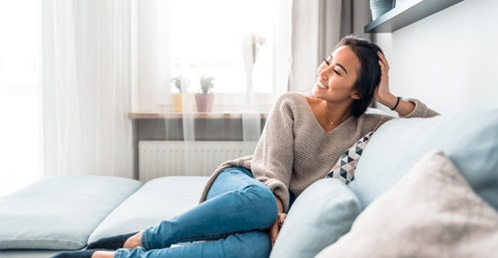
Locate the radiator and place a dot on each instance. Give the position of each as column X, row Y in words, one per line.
column 199, row 158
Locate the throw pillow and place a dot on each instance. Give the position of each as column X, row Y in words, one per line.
column 319, row 216
column 431, row 212
column 345, row 166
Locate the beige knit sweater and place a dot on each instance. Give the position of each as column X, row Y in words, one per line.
column 294, row 151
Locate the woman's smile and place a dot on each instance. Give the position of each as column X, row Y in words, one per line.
column 321, row 85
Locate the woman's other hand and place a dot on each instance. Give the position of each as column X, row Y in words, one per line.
column 134, row 241
column 275, row 228
column 279, row 222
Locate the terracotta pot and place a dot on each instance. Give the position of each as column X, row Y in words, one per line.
column 204, row 102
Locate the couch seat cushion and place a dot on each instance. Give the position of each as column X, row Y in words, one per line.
column 59, row 212
column 158, row 199
column 469, row 139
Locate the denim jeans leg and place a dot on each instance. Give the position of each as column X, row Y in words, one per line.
column 253, row 244
column 237, row 203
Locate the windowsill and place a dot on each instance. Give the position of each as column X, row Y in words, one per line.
column 180, row 115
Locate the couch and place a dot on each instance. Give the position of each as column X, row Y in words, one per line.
column 422, row 188
column 66, row 212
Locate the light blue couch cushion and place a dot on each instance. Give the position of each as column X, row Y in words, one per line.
column 320, row 215
column 59, row 212
column 157, row 200
column 469, row 139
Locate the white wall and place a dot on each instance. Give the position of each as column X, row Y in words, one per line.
column 448, row 60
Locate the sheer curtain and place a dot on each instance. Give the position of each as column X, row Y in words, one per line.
column 105, row 58
column 87, row 76
column 316, row 29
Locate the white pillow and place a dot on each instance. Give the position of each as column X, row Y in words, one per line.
column 431, row 212
column 320, row 215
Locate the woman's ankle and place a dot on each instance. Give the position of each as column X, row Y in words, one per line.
column 103, row 254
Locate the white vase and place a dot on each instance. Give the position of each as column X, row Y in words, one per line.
column 380, row 7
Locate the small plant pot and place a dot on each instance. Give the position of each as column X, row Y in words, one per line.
column 204, row 102
column 177, row 102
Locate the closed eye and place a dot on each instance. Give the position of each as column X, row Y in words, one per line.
column 326, row 61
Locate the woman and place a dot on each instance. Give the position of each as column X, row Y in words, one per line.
column 245, row 202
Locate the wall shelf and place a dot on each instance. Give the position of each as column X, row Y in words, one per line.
column 406, row 14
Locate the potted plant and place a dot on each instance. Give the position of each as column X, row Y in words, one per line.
column 177, row 96
column 205, row 98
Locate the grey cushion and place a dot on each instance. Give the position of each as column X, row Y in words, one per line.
column 60, row 212
column 319, row 216
column 469, row 139
column 27, row 253
column 158, row 199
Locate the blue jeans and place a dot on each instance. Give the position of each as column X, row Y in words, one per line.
column 232, row 222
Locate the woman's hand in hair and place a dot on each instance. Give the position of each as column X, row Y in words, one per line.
column 382, row 92
column 384, row 95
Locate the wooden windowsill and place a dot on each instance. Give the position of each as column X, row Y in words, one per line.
column 179, row 115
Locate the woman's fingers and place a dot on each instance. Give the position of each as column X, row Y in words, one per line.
column 274, row 232
column 275, row 228
column 383, row 60
column 281, row 218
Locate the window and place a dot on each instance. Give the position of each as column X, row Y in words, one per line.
column 19, row 103
column 198, row 37
column 208, row 39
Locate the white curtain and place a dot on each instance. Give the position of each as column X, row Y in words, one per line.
column 87, row 76
column 105, row 58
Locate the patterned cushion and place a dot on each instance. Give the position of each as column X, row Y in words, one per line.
column 345, row 166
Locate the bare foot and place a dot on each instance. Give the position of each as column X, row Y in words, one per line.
column 103, row 254
column 134, row 241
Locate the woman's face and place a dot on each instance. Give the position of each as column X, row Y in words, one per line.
column 337, row 76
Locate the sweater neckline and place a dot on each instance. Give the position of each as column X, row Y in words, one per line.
column 317, row 124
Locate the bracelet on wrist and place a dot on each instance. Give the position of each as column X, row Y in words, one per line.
column 397, row 103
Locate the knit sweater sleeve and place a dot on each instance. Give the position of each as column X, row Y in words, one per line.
column 273, row 158
column 421, row 110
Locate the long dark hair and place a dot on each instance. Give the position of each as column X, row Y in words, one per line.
column 369, row 72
